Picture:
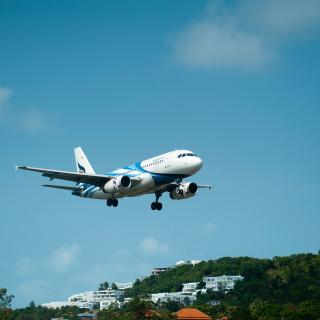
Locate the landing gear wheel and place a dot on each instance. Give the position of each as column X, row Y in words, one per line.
column 115, row 202
column 159, row 206
column 154, row 205
column 109, row 202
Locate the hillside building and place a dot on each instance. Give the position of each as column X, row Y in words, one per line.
column 221, row 283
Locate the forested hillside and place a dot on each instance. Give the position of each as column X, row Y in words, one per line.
column 278, row 288
column 281, row 279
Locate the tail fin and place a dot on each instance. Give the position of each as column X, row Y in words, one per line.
column 82, row 163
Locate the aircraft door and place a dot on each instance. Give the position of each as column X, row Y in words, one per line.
column 166, row 163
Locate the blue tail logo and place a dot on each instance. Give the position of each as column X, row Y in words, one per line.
column 81, row 168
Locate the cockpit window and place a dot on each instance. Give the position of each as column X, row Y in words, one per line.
column 187, row 155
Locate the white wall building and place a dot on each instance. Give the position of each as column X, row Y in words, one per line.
column 221, row 283
column 100, row 297
column 173, row 296
column 188, row 293
column 157, row 271
column 56, row 304
column 124, row 285
column 188, row 262
column 190, row 287
column 89, row 299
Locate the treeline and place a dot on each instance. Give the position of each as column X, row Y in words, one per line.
column 33, row 312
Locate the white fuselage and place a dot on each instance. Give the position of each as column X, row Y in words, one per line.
column 152, row 174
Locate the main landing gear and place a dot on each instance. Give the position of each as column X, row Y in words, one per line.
column 112, row 202
column 157, row 205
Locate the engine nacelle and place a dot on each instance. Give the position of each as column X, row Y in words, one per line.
column 184, row 191
column 116, row 184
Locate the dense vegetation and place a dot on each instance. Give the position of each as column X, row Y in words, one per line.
column 286, row 288
column 278, row 288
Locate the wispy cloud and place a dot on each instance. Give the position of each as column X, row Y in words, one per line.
column 209, row 227
column 59, row 261
column 28, row 119
column 63, row 258
column 5, row 94
column 246, row 35
column 151, row 245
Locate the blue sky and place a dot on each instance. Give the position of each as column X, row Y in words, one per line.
column 236, row 82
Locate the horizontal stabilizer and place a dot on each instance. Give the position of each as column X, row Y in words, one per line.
column 62, row 187
column 208, row 186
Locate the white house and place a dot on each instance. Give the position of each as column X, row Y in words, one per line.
column 190, row 287
column 221, row 283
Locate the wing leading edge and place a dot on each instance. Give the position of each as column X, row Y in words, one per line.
column 94, row 179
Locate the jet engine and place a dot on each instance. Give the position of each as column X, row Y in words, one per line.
column 117, row 183
column 184, row 191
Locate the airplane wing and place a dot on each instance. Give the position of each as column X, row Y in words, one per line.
column 95, row 179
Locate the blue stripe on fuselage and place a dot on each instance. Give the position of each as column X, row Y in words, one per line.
column 158, row 178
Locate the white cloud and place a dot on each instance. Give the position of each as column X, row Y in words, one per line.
column 247, row 34
column 207, row 44
column 59, row 261
column 5, row 94
column 27, row 119
column 284, row 17
column 209, row 227
column 33, row 121
column 153, row 246
column 63, row 258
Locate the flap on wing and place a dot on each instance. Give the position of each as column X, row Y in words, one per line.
column 63, row 187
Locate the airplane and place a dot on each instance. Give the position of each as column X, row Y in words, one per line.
column 163, row 173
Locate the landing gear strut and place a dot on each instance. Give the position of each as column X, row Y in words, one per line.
column 112, row 202
column 157, row 205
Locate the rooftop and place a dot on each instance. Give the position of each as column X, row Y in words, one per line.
column 192, row 313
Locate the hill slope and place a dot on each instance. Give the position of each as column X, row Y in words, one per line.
column 291, row 279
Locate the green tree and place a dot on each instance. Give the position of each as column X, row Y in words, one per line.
column 114, row 286
column 103, row 286
column 5, row 300
column 172, row 306
column 138, row 308
column 112, row 312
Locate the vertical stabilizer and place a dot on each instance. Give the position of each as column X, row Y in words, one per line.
column 82, row 163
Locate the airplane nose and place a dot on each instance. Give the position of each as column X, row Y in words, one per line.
column 197, row 164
